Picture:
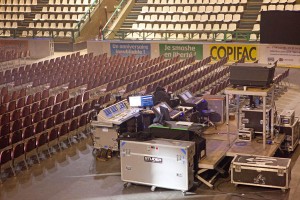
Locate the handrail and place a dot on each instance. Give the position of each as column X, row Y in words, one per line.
column 144, row 35
column 115, row 13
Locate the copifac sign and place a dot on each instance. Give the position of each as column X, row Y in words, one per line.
column 234, row 52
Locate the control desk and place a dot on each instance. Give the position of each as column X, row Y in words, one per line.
column 105, row 129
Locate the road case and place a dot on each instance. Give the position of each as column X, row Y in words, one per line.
column 261, row 171
column 253, row 118
column 160, row 162
column 246, row 134
column 291, row 135
column 287, row 117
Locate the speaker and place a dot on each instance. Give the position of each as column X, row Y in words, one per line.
column 251, row 74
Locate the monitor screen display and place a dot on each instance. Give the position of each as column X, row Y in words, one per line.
column 135, row 101
column 114, row 108
column 183, row 95
column 147, row 101
column 165, row 106
column 122, row 106
column 188, row 94
column 107, row 112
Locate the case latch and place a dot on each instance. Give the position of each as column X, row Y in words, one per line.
column 237, row 168
column 280, row 172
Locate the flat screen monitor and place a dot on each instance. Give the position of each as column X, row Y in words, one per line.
column 141, row 101
column 162, row 104
column 147, row 101
column 135, row 101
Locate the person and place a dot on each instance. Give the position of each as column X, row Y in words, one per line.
column 160, row 95
column 100, row 36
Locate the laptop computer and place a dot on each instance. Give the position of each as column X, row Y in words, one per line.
column 173, row 113
column 189, row 99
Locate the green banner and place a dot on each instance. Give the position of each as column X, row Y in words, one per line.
column 183, row 50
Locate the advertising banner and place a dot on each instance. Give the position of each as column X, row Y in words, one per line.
column 128, row 49
column 284, row 54
column 183, row 50
column 233, row 51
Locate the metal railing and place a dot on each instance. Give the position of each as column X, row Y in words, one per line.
column 216, row 36
column 112, row 18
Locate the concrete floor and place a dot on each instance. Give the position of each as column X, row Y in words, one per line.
column 74, row 173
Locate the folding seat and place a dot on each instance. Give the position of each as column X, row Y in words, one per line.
column 64, row 133
column 82, row 123
column 3, row 108
column 30, row 148
column 37, row 117
column 73, row 126
column 69, row 114
column 16, row 114
column 4, row 142
column 41, row 143
column 71, row 102
column 50, row 123
column 78, row 99
column 60, row 118
column 53, row 136
column 11, row 106
column 6, row 158
column 35, row 107
column 5, row 130
column 5, row 119
column 18, row 154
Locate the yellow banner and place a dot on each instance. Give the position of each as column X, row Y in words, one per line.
column 233, row 51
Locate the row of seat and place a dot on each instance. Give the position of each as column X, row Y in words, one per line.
column 18, row 2
column 13, row 17
column 278, row 1
column 52, row 25
column 192, row 9
column 15, row 9
column 65, row 9
column 8, row 24
column 180, row 18
column 57, row 17
column 271, row 7
column 207, row 2
column 70, row 2
column 24, row 149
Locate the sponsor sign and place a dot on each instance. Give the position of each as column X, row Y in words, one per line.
column 128, row 49
column 233, row 51
column 183, row 50
column 284, row 54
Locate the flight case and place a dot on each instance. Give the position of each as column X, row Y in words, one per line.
column 261, row 171
column 160, row 162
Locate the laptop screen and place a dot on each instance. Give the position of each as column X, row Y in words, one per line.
column 188, row 94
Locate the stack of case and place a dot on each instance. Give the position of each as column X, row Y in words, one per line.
column 161, row 163
column 261, row 171
column 287, row 117
column 291, row 135
column 246, row 134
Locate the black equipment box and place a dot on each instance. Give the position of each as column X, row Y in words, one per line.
column 251, row 74
column 291, row 135
column 261, row 171
column 253, row 118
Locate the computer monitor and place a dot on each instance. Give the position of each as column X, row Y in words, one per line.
column 147, row 101
column 135, row 101
column 141, row 101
